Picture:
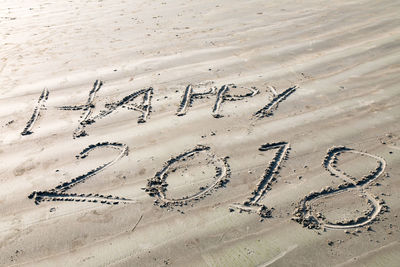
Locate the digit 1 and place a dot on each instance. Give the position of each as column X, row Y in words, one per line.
column 252, row 203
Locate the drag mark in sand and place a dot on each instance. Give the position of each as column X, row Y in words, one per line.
column 59, row 192
column 41, row 105
column 89, row 103
column 269, row 176
column 188, row 97
column 144, row 108
column 157, row 186
column 268, row 109
column 89, row 106
column 304, row 214
column 280, row 256
column 222, row 96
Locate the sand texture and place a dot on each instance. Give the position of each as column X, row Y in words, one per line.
column 199, row 133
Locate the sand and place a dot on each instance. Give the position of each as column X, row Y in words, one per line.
column 199, row 133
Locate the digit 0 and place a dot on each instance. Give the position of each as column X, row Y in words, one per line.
column 157, row 186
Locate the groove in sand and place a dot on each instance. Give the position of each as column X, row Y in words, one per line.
column 304, row 215
column 41, row 104
column 58, row 193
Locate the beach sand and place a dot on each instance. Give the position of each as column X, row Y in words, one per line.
column 199, row 133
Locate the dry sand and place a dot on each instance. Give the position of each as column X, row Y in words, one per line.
column 199, row 133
